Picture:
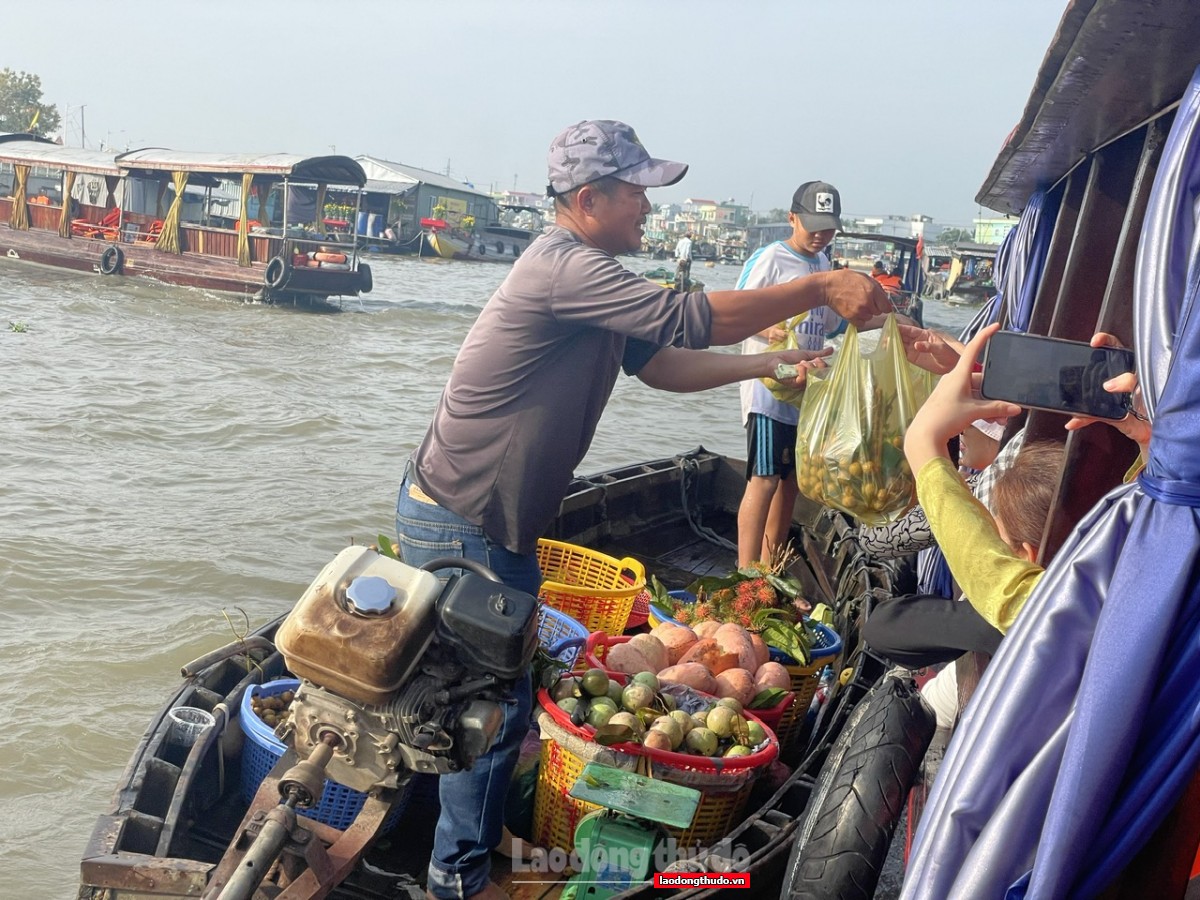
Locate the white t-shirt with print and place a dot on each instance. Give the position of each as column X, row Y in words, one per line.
column 779, row 263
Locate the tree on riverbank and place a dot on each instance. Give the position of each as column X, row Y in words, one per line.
column 21, row 106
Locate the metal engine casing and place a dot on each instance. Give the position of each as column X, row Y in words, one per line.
column 362, row 656
column 371, row 752
column 400, row 674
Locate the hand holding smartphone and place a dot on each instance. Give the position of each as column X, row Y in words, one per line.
column 1053, row 374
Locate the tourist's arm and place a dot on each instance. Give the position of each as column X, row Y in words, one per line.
column 738, row 314
column 995, row 580
column 952, row 406
column 930, row 350
column 683, row 371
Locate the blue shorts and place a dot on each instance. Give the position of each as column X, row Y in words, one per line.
column 770, row 447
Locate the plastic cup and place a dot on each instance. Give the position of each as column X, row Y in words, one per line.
column 187, row 724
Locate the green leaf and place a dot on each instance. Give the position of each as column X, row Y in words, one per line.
column 783, row 586
column 710, row 584
column 385, row 547
column 767, row 699
column 659, row 594
column 607, row 735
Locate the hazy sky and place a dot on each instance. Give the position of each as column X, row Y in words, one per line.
column 901, row 105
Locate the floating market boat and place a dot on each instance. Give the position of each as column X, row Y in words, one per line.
column 971, row 275
column 1083, row 168
column 906, row 252
column 180, row 218
column 178, row 809
column 488, row 243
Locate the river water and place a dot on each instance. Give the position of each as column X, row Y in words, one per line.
column 177, row 463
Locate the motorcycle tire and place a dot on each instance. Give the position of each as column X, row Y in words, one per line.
column 859, row 796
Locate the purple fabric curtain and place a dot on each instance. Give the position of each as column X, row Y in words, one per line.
column 1022, row 257
column 987, row 314
column 1084, row 730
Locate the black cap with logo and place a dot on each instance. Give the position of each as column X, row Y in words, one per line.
column 818, row 205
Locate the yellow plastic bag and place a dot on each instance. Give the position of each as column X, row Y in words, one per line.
column 850, row 438
column 780, row 391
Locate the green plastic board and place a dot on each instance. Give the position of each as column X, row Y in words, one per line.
column 636, row 795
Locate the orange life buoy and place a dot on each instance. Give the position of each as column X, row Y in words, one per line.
column 330, row 257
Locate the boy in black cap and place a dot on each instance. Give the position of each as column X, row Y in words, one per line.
column 765, row 514
column 526, row 394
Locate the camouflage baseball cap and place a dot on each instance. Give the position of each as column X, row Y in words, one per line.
column 595, row 148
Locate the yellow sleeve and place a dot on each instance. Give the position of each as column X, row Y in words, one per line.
column 1135, row 470
column 992, row 578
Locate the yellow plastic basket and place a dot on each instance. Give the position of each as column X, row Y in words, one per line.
column 591, row 587
column 556, row 813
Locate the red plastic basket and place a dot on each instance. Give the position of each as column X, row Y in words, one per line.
column 782, row 718
column 640, row 613
column 722, row 799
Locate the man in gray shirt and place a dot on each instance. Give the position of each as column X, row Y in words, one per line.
column 527, row 390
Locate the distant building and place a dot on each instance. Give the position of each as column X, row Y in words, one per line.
column 414, row 194
column 993, row 231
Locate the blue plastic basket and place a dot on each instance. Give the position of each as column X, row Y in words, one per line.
column 826, row 646
column 339, row 805
column 560, row 634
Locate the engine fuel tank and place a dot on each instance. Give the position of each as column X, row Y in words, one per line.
column 362, row 626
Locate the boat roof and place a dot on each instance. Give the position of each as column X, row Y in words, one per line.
column 387, row 170
column 326, row 169
column 897, row 239
column 968, row 248
column 1112, row 65
column 379, row 186
column 34, row 152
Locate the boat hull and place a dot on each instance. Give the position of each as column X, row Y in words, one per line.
column 188, row 269
column 167, row 827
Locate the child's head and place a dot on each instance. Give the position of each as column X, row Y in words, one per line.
column 979, row 444
column 1022, row 496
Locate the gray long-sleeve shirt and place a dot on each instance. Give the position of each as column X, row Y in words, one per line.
column 533, row 377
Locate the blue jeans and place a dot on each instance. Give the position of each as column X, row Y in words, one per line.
column 472, row 817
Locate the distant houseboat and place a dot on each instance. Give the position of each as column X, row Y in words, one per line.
column 243, row 224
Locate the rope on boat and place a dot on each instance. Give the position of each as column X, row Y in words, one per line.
column 689, row 465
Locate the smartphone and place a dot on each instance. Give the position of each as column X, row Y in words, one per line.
column 1049, row 373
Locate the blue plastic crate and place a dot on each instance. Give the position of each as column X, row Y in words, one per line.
column 339, row 805
column 561, row 635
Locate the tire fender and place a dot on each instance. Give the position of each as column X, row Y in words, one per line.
column 365, row 283
column 278, row 272
column 111, row 260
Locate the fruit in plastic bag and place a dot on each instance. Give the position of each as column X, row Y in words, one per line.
column 850, row 437
column 782, row 392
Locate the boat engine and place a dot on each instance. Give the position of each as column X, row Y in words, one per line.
column 400, row 673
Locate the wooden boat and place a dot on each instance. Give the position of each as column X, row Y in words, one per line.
column 174, row 814
column 110, row 215
column 665, row 277
column 906, row 255
column 970, row 278
column 488, row 243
